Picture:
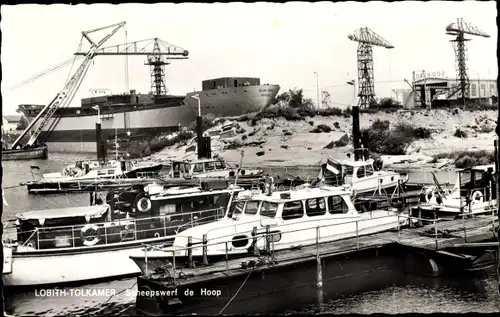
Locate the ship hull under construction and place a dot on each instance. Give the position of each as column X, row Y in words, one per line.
column 76, row 132
column 233, row 101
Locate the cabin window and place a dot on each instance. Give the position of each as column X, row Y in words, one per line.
column 268, row 209
column 337, row 205
column 111, row 172
column 361, row 172
column 209, row 166
column 349, row 170
column 369, row 170
column 293, row 210
column 167, row 209
column 219, row 165
column 251, row 207
column 236, row 208
column 198, row 167
column 100, row 173
column 315, row 207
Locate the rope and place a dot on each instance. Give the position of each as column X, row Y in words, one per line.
column 229, row 302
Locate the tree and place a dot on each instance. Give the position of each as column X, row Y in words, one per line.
column 22, row 124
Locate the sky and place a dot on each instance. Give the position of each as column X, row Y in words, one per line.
column 282, row 44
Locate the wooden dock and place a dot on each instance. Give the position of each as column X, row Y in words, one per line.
column 429, row 247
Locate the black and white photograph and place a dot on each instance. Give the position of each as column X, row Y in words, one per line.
column 294, row 158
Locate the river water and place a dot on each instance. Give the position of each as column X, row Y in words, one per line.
column 477, row 293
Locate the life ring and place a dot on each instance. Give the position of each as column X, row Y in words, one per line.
column 142, row 203
column 477, row 197
column 93, row 234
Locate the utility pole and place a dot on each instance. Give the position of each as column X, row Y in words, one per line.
column 317, row 89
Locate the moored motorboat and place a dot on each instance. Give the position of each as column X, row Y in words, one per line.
column 293, row 218
column 474, row 193
column 363, row 176
column 94, row 242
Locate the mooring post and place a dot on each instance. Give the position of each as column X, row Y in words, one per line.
column 465, row 230
column 173, row 265
column 190, row 252
column 255, row 248
column 357, row 235
column 436, row 232
column 268, row 247
column 319, row 272
column 399, row 228
column 227, row 260
column 205, row 241
column 146, row 261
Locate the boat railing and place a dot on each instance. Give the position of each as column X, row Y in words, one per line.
column 117, row 231
column 284, row 224
column 403, row 221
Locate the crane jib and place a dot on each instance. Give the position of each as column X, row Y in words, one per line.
column 65, row 96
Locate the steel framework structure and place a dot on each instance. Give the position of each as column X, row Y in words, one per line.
column 366, row 39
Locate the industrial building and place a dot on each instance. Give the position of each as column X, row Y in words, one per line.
column 445, row 91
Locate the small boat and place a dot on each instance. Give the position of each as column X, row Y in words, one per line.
column 293, row 217
column 28, row 153
column 90, row 174
column 215, row 167
column 365, row 177
column 83, row 170
column 81, row 244
column 474, row 193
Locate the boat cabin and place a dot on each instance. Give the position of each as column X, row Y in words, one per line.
column 213, row 167
column 338, row 173
column 153, row 218
column 310, row 202
column 477, row 179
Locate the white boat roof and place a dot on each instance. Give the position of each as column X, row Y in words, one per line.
column 193, row 193
column 63, row 212
column 480, row 167
column 356, row 163
column 298, row 194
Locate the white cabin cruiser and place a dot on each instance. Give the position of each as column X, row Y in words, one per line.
column 215, row 167
column 293, row 217
column 474, row 193
column 363, row 176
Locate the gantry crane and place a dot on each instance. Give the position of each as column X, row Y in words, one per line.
column 157, row 52
column 366, row 39
column 459, row 29
column 65, row 96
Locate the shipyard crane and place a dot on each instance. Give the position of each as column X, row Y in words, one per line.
column 366, row 39
column 459, row 29
column 157, row 52
column 65, row 96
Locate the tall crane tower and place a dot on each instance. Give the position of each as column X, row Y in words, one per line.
column 366, row 39
column 157, row 52
column 459, row 29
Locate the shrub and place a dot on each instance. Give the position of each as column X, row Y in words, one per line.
column 464, row 159
column 207, row 121
column 485, row 129
column 321, row 128
column 343, row 141
column 336, row 125
column 460, row 133
column 380, row 139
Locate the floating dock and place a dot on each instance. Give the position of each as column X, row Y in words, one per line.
column 277, row 281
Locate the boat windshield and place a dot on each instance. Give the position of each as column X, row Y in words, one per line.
column 247, row 207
